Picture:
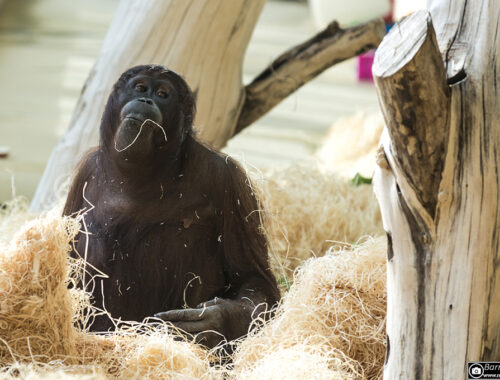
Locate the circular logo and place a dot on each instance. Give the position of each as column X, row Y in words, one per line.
column 476, row 371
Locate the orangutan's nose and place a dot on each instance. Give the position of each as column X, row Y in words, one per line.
column 145, row 100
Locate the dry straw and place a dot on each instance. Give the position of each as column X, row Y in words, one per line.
column 330, row 325
column 351, row 144
column 334, row 313
column 301, row 361
column 309, row 210
column 39, row 308
column 36, row 307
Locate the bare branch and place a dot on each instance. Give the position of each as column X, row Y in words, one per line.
column 302, row 63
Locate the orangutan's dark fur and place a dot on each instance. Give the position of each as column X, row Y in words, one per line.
column 173, row 226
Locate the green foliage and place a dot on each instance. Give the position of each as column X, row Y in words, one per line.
column 284, row 283
column 359, row 180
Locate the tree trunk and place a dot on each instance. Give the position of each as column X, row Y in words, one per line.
column 438, row 187
column 205, row 42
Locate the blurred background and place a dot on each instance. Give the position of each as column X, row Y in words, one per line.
column 47, row 48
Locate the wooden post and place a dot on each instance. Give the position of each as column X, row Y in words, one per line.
column 205, row 42
column 438, row 187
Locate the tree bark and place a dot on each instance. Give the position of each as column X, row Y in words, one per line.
column 438, row 187
column 205, row 42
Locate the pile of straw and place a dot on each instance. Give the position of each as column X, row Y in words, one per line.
column 333, row 318
column 38, row 311
column 308, row 211
column 36, row 308
column 351, row 144
column 330, row 325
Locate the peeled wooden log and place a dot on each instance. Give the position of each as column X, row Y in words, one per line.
column 438, row 187
column 205, row 42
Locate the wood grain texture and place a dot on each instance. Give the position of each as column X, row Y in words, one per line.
column 408, row 66
column 303, row 62
column 444, row 276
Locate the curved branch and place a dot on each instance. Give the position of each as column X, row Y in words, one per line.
column 302, row 63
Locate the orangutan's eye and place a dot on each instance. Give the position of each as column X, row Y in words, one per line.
column 140, row 87
column 162, row 94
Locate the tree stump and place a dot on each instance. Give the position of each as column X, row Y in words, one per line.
column 438, row 186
